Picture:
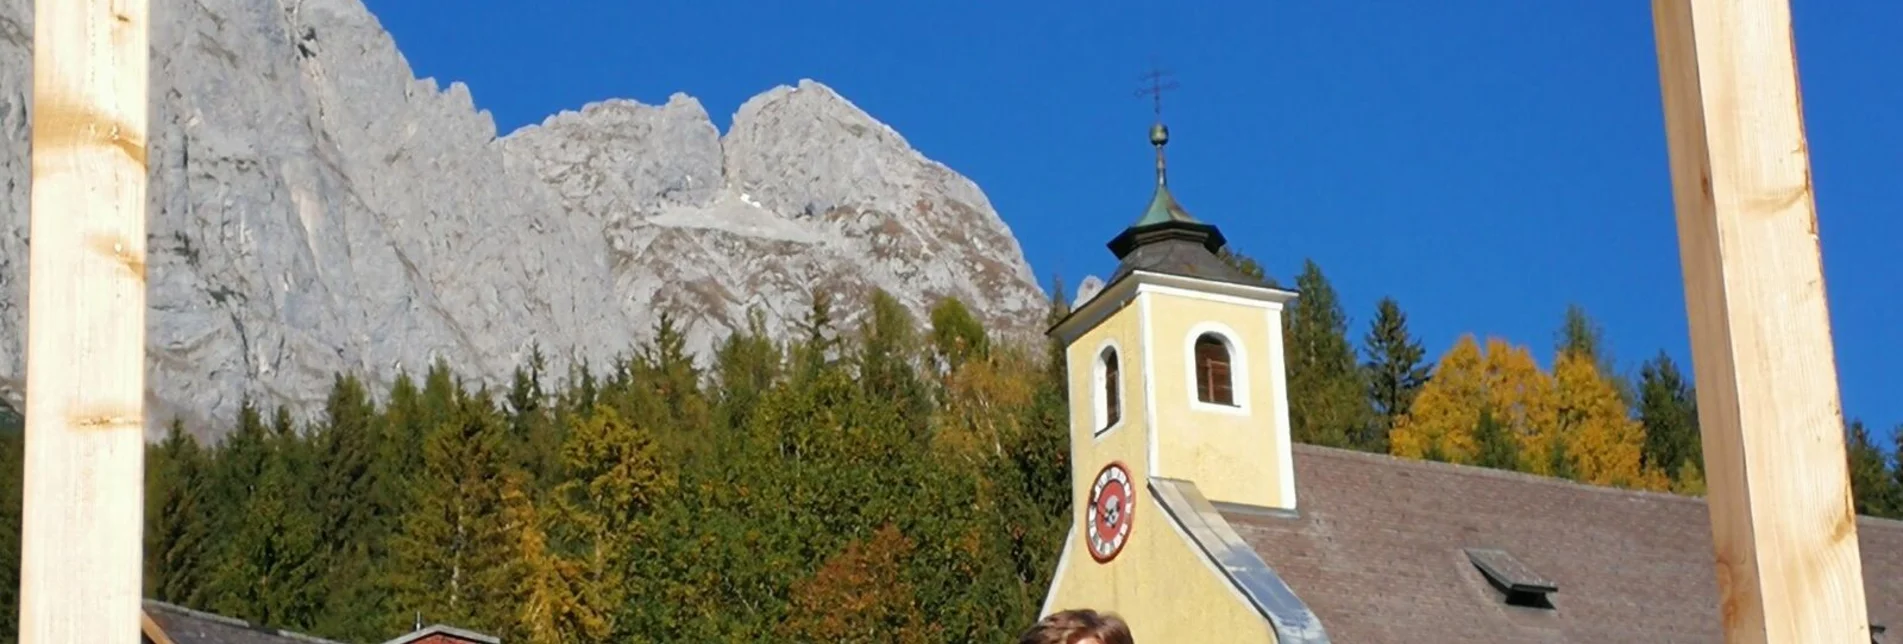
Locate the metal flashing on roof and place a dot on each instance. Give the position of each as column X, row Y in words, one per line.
column 1227, row 507
column 1291, row 619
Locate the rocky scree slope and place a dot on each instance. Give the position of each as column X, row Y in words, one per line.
column 316, row 209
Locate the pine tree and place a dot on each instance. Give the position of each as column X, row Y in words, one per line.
column 1873, row 485
column 888, row 361
column 270, row 566
column 1394, row 369
column 819, row 345
column 1668, row 408
column 12, row 470
column 662, row 387
column 178, row 540
column 1328, row 400
column 352, row 524
column 1496, row 447
column 746, row 365
column 1580, row 334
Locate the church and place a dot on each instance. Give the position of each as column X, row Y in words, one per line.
column 1198, row 519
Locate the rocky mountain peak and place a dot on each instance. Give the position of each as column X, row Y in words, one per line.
column 316, row 209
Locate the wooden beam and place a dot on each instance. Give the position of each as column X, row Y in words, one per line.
column 85, row 372
column 1783, row 528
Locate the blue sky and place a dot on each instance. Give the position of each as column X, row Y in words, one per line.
column 1486, row 163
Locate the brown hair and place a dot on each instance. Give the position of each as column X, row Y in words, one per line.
column 1071, row 626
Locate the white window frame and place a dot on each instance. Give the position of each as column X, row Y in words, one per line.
column 1099, row 405
column 1238, row 369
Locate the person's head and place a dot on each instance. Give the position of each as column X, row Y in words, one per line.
column 1079, row 626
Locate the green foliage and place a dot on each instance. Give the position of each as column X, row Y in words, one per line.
column 1495, row 447
column 11, row 420
column 1873, row 485
column 1328, row 401
column 1581, row 335
column 178, row 541
column 1395, row 369
column 957, row 336
column 879, row 484
column 452, row 558
column 1246, row 265
column 924, row 473
column 1669, row 410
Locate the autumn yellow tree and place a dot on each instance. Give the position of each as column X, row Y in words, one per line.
column 982, row 398
column 1519, row 396
column 1440, row 425
column 1602, row 441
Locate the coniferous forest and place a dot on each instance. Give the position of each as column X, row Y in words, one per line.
column 901, row 480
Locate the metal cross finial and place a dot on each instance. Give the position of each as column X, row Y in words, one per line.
column 1156, row 88
column 1159, row 135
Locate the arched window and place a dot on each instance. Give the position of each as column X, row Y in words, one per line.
column 1112, row 387
column 1212, row 370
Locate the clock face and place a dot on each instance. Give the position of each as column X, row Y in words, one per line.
column 1112, row 504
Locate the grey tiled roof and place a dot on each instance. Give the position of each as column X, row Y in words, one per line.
column 1379, row 554
column 187, row 626
column 1180, row 257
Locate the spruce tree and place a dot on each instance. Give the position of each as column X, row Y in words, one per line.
column 352, row 521
column 1496, row 447
column 12, row 469
column 888, row 361
column 177, row 540
column 1328, row 400
column 1668, row 408
column 1873, row 485
column 746, row 365
column 1395, row 368
column 270, row 567
column 1580, row 334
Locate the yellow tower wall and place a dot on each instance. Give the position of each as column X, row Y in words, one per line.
column 1236, row 454
column 1161, row 584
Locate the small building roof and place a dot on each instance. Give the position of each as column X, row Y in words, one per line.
column 1392, row 550
column 181, row 625
column 444, row 634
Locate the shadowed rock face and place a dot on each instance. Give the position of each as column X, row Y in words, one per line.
column 317, row 209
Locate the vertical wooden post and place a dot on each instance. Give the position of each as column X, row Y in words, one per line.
column 85, row 373
column 1783, row 527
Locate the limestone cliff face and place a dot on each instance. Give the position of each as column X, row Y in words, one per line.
column 315, row 208
column 805, row 192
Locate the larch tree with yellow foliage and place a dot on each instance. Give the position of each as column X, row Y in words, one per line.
column 1440, row 425
column 1602, row 441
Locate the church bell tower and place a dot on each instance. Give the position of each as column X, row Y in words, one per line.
column 1176, row 369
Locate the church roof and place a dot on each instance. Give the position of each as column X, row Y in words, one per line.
column 1391, row 550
